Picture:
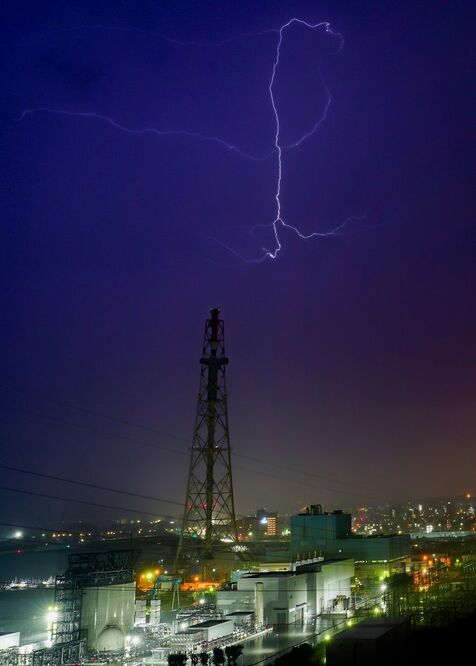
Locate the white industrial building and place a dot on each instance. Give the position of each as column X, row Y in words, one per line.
column 200, row 634
column 9, row 639
column 242, row 619
column 291, row 597
column 108, row 615
column 213, row 630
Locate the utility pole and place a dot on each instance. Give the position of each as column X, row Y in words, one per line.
column 209, row 512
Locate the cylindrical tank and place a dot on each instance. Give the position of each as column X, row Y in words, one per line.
column 111, row 639
column 259, row 603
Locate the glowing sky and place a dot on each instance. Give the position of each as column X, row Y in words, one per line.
column 352, row 365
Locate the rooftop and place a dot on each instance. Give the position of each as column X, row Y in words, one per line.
column 362, row 633
column 209, row 623
column 235, row 613
column 270, row 574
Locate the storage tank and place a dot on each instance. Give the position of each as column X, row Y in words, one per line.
column 105, row 607
column 111, row 639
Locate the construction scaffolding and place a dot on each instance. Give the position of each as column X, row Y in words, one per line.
column 86, row 570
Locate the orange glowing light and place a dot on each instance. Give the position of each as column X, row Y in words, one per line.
column 199, row 586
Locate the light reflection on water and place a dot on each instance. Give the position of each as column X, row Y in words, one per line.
column 25, row 611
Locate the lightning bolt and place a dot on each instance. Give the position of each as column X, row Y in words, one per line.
column 278, row 220
column 145, row 130
column 167, row 38
column 278, row 223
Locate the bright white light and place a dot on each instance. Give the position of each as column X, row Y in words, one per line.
column 183, row 625
column 135, row 640
column 202, row 601
column 383, row 588
column 264, row 520
column 51, row 615
column 18, row 534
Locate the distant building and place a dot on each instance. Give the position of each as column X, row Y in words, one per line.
column 314, row 532
column 267, row 522
column 272, row 525
column 263, row 524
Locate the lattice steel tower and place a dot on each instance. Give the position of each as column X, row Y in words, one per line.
column 209, row 511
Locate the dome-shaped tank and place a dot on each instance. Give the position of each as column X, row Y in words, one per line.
column 111, row 639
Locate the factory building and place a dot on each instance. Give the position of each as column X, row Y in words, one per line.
column 330, row 535
column 213, row 630
column 290, row 597
column 95, row 604
column 107, row 615
column 201, row 634
column 242, row 619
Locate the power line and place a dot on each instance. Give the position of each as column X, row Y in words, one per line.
column 183, row 453
column 236, row 454
column 86, row 502
column 86, row 484
column 308, row 485
column 287, row 468
column 92, row 412
column 87, row 426
column 39, row 528
column 64, row 530
column 172, row 435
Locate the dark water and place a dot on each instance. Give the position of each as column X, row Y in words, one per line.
column 25, row 611
column 33, row 564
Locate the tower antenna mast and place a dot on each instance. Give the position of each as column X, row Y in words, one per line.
column 209, row 512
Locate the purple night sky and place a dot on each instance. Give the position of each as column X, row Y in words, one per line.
column 352, row 373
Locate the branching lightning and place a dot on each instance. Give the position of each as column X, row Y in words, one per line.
column 147, row 130
column 278, row 220
column 278, row 223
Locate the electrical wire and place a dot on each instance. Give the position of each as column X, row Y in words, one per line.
column 252, row 470
column 86, row 502
column 174, row 436
column 87, row 484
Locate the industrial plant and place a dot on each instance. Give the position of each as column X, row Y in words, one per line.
column 219, row 582
column 105, row 606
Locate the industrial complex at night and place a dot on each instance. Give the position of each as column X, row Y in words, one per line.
column 238, row 379
column 211, row 586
